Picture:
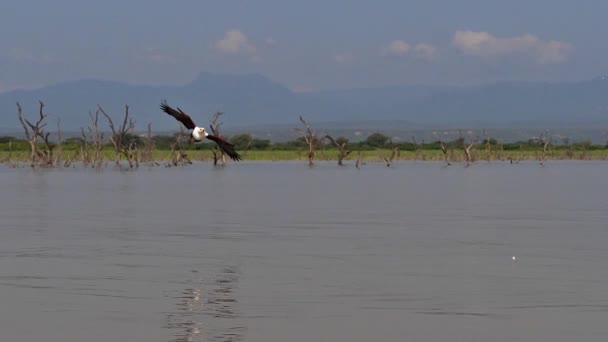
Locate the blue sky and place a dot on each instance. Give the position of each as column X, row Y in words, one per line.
column 306, row 45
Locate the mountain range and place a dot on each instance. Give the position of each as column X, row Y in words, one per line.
column 252, row 101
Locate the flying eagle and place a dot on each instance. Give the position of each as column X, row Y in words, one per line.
column 198, row 133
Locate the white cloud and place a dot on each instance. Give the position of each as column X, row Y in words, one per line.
column 235, row 42
column 396, row 48
column 400, row 48
column 484, row 44
column 425, row 51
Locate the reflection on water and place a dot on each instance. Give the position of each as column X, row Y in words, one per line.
column 206, row 312
column 281, row 252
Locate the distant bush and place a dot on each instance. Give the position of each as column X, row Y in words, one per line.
column 7, row 139
column 376, row 140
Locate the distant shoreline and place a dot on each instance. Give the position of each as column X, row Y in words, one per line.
column 162, row 157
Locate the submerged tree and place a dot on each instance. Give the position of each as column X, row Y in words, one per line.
column 545, row 142
column 94, row 138
column 42, row 155
column 394, row 153
column 146, row 155
column 487, row 141
column 311, row 139
column 340, row 143
column 178, row 156
column 120, row 137
column 467, row 149
column 218, row 154
column 444, row 150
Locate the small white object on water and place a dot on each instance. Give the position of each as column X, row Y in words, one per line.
column 513, row 257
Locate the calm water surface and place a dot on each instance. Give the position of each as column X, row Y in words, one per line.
column 279, row 252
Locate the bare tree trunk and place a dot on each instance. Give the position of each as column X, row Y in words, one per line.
column 48, row 153
column 545, row 142
column 148, row 146
column 341, row 149
column 59, row 157
column 94, row 139
column 68, row 162
column 358, row 159
column 32, row 133
column 445, row 152
column 544, row 155
column 467, row 151
column 394, row 152
column 488, row 146
column 218, row 154
column 179, row 157
column 30, row 139
column 311, row 140
column 119, row 136
column 84, row 148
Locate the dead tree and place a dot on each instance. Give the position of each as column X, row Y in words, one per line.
column 467, row 150
column 133, row 153
column 218, row 154
column 119, row 136
column 394, row 153
column 179, row 157
column 445, row 152
column 342, row 151
column 48, row 151
column 33, row 131
column 59, row 157
column 94, row 138
column 488, row 146
column 545, row 142
column 85, row 155
column 311, row 140
column 148, row 146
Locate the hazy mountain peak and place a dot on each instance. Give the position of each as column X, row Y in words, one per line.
column 253, row 99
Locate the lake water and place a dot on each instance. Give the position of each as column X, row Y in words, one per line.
column 280, row 252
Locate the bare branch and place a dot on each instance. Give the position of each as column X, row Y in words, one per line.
column 341, row 148
column 119, row 136
column 36, row 130
column 394, row 153
column 445, row 152
column 311, row 140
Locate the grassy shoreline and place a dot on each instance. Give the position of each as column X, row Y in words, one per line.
column 330, row 154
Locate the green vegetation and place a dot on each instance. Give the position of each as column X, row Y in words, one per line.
column 375, row 147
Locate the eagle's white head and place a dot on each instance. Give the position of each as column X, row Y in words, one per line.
column 199, row 133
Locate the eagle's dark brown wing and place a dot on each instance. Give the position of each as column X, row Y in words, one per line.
column 178, row 114
column 227, row 147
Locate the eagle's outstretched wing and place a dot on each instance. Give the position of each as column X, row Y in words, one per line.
column 178, row 114
column 227, row 147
